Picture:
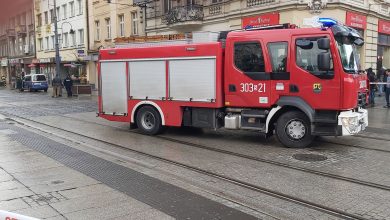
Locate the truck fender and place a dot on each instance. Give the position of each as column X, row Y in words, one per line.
column 148, row 103
column 296, row 102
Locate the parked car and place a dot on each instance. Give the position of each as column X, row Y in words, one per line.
column 35, row 82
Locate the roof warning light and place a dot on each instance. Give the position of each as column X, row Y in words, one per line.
column 327, row 22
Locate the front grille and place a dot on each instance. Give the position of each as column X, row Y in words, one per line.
column 362, row 99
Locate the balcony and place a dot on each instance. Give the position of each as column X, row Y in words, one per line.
column 30, row 27
column 21, row 30
column 184, row 15
column 11, row 32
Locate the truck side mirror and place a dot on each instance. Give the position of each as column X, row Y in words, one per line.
column 323, row 43
column 324, row 61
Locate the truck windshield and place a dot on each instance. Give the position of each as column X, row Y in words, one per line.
column 349, row 54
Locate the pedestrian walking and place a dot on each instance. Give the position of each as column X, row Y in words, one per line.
column 68, row 83
column 57, row 86
column 372, row 79
column 387, row 88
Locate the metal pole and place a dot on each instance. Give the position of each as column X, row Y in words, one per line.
column 57, row 44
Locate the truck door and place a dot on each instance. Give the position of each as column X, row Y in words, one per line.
column 247, row 79
column 113, row 81
column 320, row 89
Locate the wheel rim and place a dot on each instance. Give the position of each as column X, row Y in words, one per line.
column 295, row 129
column 148, row 120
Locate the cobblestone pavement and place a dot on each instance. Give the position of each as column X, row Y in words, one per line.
column 367, row 162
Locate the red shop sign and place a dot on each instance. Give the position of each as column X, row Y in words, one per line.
column 384, row 27
column 261, row 20
column 356, row 20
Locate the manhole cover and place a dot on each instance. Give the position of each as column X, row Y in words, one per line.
column 309, row 157
column 57, row 182
column 44, row 199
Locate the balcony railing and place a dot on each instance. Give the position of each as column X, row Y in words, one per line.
column 184, row 14
column 259, row 2
column 11, row 32
column 21, row 29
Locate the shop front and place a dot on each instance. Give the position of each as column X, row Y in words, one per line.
column 359, row 23
column 261, row 20
column 383, row 53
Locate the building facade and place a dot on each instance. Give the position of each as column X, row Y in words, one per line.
column 17, row 41
column 370, row 17
column 71, row 18
column 108, row 22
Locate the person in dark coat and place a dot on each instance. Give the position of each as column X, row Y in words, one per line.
column 386, row 79
column 68, row 83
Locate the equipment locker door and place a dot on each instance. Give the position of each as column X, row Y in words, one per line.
column 114, row 88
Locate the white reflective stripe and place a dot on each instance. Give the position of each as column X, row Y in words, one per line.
column 9, row 215
column 270, row 115
column 166, row 58
column 378, row 83
column 148, row 103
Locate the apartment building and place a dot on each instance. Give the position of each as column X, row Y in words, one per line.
column 71, row 18
column 370, row 17
column 109, row 21
column 17, row 40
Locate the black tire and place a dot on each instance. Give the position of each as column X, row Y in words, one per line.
column 45, row 90
column 293, row 130
column 149, row 120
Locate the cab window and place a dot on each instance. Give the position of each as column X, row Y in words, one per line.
column 39, row 78
column 278, row 56
column 248, row 57
column 307, row 52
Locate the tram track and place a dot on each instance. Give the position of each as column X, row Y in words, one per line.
column 252, row 158
column 312, row 205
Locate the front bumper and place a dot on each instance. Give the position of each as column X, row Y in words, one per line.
column 353, row 122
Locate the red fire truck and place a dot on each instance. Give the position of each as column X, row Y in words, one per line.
column 296, row 83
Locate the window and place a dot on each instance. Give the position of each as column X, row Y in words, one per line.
column 64, row 10
column 81, row 37
column 71, row 6
column 278, row 56
column 134, row 23
column 40, row 44
column 80, row 6
column 248, row 57
column 73, row 39
column 51, row 15
column 108, row 28
column 53, row 42
column 65, row 42
column 121, row 25
column 307, row 55
column 167, row 5
column 58, row 14
column 39, row 20
column 46, row 18
column 97, row 30
column 47, row 43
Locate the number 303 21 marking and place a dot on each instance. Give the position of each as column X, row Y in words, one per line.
column 250, row 87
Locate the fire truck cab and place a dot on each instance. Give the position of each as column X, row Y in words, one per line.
column 296, row 83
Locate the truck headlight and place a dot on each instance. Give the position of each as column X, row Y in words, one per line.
column 351, row 124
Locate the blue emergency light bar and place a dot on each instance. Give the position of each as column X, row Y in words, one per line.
column 327, row 22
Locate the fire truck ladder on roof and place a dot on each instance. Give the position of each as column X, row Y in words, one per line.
column 271, row 27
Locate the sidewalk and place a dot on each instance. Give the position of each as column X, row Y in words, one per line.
column 35, row 185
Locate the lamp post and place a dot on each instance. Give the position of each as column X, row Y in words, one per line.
column 57, row 44
column 57, row 41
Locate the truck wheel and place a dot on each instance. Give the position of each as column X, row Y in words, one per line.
column 149, row 120
column 293, row 130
